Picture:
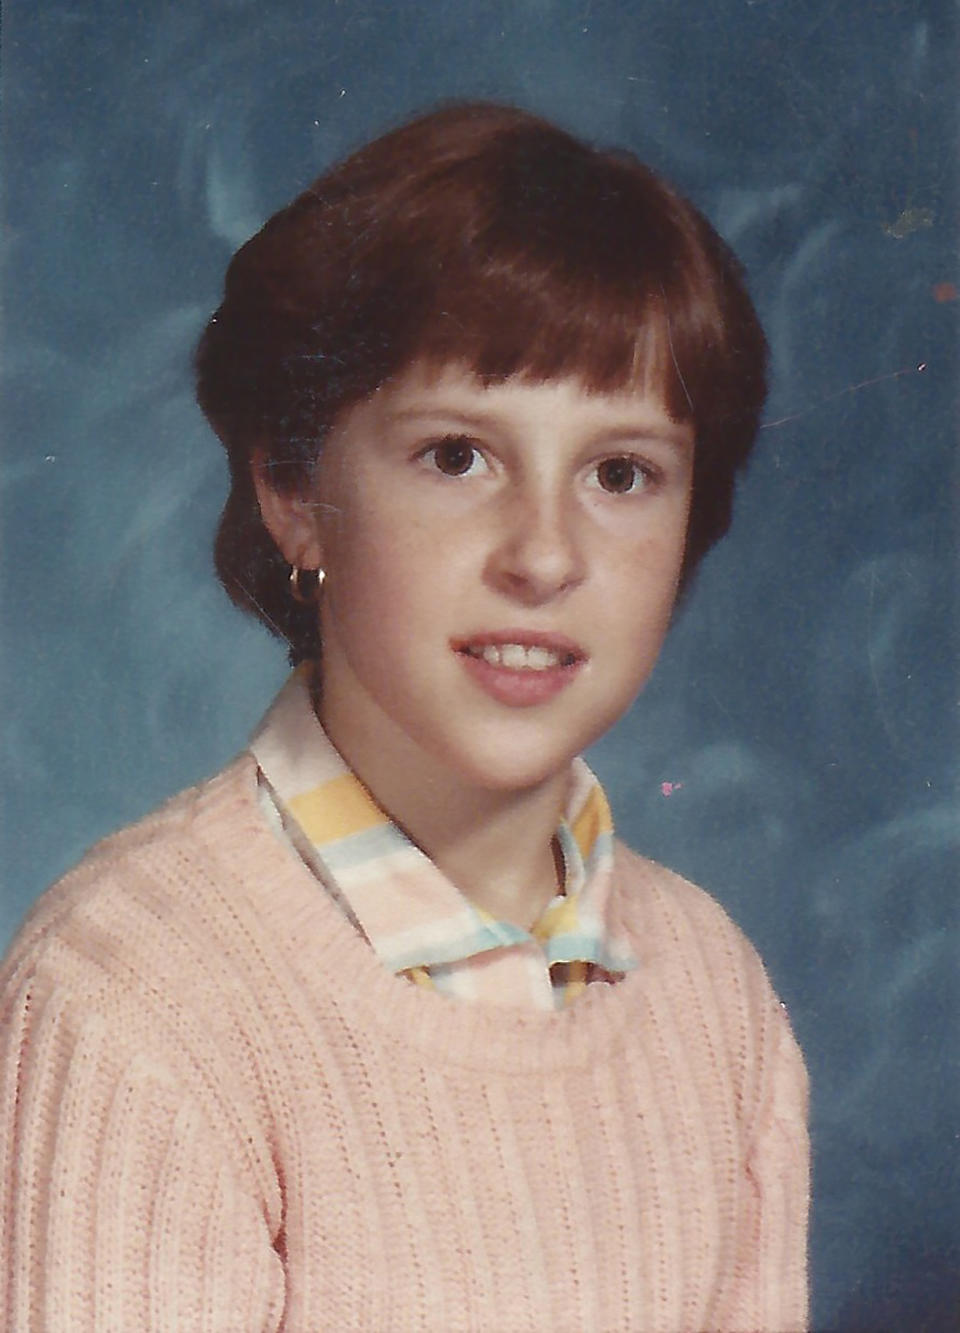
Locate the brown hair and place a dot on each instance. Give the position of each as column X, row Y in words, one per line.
column 482, row 235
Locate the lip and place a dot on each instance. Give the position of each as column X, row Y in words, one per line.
column 521, row 688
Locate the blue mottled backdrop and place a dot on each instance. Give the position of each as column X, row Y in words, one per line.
column 796, row 748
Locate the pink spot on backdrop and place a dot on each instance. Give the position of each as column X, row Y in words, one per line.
column 668, row 788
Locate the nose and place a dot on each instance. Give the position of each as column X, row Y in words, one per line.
column 538, row 553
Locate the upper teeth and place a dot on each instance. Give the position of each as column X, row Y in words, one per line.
column 517, row 656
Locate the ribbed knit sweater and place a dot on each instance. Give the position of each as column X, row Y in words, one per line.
column 221, row 1112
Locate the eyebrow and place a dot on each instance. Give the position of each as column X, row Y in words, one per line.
column 478, row 420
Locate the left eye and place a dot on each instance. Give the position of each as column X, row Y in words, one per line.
column 455, row 456
column 621, row 476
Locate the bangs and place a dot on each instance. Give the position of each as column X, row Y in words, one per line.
column 550, row 329
column 557, row 263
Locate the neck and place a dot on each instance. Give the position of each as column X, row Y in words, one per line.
column 498, row 848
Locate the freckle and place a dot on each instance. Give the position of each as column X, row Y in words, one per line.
column 944, row 291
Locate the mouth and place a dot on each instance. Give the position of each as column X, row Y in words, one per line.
column 522, row 651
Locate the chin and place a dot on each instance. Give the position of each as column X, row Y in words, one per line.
column 512, row 767
column 517, row 780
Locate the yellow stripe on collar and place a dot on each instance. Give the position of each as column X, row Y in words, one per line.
column 335, row 810
column 595, row 818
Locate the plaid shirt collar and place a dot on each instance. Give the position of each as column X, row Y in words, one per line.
column 412, row 915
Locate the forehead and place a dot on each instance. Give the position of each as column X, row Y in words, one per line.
column 428, row 391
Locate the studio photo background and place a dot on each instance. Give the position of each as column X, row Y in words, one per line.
column 796, row 750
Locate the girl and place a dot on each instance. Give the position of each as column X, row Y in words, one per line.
column 380, row 1028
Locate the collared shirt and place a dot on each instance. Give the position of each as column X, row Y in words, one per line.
column 418, row 922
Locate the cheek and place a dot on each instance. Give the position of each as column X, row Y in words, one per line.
column 651, row 563
column 642, row 591
column 379, row 578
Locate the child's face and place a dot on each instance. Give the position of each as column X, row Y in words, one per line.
column 501, row 568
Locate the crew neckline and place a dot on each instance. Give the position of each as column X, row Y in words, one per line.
column 337, row 967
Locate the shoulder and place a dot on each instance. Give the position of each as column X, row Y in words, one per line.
column 666, row 914
column 162, row 942
column 148, row 897
column 710, row 975
column 136, row 987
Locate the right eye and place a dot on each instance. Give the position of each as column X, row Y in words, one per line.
column 456, row 456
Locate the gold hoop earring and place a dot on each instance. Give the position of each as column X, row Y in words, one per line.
column 305, row 585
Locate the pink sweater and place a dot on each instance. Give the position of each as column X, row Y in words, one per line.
column 221, row 1112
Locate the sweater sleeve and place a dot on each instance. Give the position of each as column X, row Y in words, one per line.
column 120, row 1210
column 766, row 1291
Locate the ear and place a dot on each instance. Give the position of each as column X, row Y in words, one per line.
column 289, row 516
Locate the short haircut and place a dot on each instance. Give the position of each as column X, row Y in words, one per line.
column 484, row 236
